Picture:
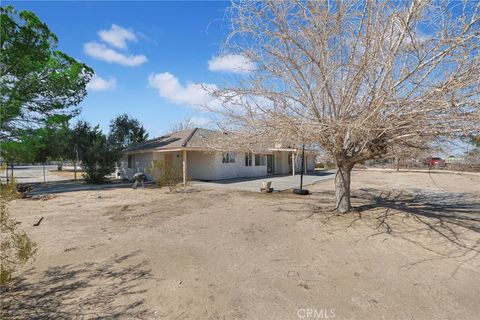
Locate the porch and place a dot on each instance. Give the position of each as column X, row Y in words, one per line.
column 279, row 182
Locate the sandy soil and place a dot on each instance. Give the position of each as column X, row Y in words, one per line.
column 69, row 174
column 410, row 250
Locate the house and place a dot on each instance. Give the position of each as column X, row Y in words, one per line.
column 193, row 152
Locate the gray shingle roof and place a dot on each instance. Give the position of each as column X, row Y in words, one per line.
column 196, row 137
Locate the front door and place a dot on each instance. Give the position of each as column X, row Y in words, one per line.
column 270, row 164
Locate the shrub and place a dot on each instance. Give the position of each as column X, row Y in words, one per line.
column 16, row 248
column 166, row 174
column 99, row 156
column 325, row 165
column 99, row 160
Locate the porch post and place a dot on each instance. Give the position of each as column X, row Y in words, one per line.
column 305, row 164
column 293, row 164
column 184, row 158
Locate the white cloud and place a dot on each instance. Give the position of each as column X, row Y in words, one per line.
column 231, row 63
column 117, row 36
column 98, row 83
column 101, row 52
column 192, row 94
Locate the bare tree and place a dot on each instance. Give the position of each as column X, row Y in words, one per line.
column 472, row 156
column 413, row 150
column 183, row 125
column 355, row 77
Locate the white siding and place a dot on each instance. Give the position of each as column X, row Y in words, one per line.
column 311, row 163
column 141, row 162
column 238, row 169
column 201, row 165
column 281, row 162
column 208, row 165
column 298, row 163
column 177, row 160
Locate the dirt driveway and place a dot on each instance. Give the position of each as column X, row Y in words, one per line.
column 409, row 251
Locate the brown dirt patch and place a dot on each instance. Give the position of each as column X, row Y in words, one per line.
column 410, row 250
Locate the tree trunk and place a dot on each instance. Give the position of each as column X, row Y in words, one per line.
column 342, row 188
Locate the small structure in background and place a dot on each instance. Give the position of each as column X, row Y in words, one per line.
column 139, row 178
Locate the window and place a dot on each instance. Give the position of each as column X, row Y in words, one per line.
column 260, row 160
column 248, row 159
column 130, row 160
column 228, row 157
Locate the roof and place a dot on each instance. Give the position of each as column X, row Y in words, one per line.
column 190, row 138
column 196, row 137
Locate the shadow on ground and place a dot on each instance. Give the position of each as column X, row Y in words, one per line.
column 84, row 291
column 451, row 219
column 440, row 212
column 445, row 223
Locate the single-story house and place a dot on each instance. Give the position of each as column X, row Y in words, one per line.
column 192, row 152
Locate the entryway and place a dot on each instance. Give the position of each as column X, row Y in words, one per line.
column 270, row 164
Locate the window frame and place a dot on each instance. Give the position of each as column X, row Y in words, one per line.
column 248, row 159
column 228, row 157
column 260, row 160
column 130, row 161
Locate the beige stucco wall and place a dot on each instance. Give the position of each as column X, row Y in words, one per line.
column 142, row 162
column 208, row 165
column 201, row 165
column 311, row 163
column 139, row 163
column 238, row 169
column 281, row 162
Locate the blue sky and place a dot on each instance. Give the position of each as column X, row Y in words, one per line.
column 148, row 56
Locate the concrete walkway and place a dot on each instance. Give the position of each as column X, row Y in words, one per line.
column 279, row 183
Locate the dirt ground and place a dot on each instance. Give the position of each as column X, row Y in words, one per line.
column 409, row 250
column 68, row 174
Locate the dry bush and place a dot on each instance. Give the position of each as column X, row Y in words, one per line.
column 16, row 248
column 166, row 174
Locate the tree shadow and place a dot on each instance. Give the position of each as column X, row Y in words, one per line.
column 106, row 290
column 443, row 210
column 453, row 219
